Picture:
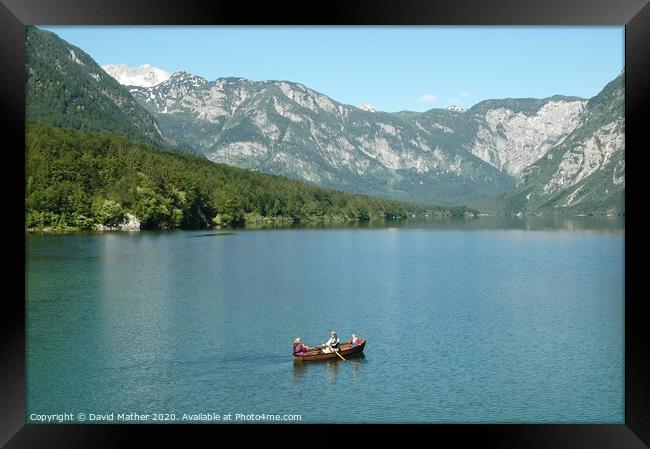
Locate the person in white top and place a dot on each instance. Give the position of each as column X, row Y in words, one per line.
column 332, row 344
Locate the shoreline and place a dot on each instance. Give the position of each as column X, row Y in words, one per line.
column 329, row 224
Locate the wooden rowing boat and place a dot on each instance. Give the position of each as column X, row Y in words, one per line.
column 345, row 349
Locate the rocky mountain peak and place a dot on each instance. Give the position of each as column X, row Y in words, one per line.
column 143, row 76
column 366, row 107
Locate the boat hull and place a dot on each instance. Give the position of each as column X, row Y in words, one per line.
column 346, row 350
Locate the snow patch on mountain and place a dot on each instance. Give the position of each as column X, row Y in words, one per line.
column 366, row 107
column 144, row 76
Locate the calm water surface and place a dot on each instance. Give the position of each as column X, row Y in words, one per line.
column 480, row 321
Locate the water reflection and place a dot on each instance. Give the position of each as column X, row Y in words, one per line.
column 299, row 370
column 549, row 223
column 213, row 234
column 355, row 365
column 485, row 222
column 330, row 368
column 333, row 367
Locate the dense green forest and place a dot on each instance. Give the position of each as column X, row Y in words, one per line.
column 78, row 180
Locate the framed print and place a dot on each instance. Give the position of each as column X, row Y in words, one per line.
column 416, row 215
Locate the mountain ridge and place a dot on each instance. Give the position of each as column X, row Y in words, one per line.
column 66, row 87
column 253, row 123
column 480, row 157
column 586, row 172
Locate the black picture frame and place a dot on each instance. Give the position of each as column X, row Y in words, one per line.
column 633, row 14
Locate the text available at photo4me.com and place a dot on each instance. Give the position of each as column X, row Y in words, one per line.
column 134, row 417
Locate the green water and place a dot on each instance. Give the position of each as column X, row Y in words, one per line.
column 487, row 320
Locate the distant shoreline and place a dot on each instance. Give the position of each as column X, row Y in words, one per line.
column 334, row 224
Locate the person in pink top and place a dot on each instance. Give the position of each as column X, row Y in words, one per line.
column 299, row 348
column 356, row 341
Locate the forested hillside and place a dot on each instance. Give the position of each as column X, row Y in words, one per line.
column 66, row 88
column 80, row 180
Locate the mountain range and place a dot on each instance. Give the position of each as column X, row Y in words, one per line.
column 557, row 154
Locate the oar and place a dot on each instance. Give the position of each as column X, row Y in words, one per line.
column 322, row 346
column 337, row 353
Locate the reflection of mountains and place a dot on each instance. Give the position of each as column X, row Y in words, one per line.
column 496, row 222
column 524, row 223
column 504, row 222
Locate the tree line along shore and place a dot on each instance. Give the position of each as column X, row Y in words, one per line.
column 84, row 181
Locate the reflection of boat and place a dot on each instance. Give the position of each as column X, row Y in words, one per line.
column 345, row 349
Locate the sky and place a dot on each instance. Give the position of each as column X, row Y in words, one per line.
column 391, row 68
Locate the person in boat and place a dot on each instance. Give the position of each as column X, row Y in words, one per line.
column 332, row 344
column 356, row 341
column 299, row 348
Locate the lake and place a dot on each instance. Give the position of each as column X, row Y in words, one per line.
column 467, row 321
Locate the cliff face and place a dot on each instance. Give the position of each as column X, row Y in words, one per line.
column 585, row 172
